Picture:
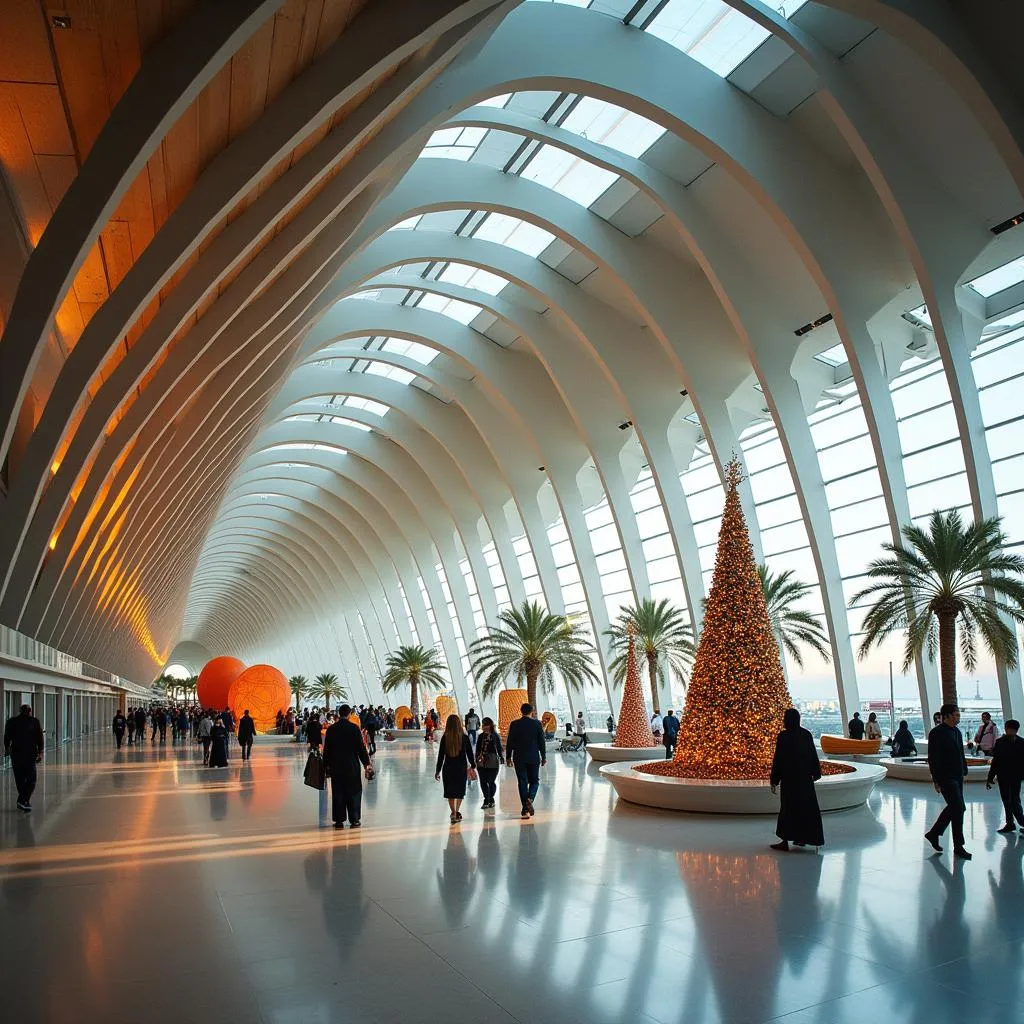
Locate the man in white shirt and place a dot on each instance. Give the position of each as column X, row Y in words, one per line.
column 657, row 726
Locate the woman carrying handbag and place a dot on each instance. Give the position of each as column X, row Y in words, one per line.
column 455, row 764
column 489, row 756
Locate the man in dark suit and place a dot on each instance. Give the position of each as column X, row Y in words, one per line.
column 669, row 734
column 948, row 766
column 1008, row 768
column 246, row 734
column 344, row 751
column 525, row 751
column 23, row 744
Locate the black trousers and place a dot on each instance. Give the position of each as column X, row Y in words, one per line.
column 371, row 741
column 246, row 746
column 528, row 777
column 206, row 748
column 953, row 813
column 1009, row 790
column 346, row 799
column 670, row 748
column 24, row 772
column 131, row 737
column 119, row 736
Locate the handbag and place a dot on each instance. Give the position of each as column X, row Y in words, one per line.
column 315, row 773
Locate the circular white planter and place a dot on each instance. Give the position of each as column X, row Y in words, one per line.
column 404, row 734
column 605, row 752
column 916, row 770
column 712, row 796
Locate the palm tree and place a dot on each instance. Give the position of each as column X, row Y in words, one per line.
column 299, row 685
column 792, row 626
column 416, row 666
column 944, row 575
column 326, row 685
column 662, row 634
column 528, row 644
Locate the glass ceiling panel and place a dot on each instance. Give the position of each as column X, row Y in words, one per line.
column 620, row 129
column 473, row 277
column 1002, row 277
column 711, row 32
column 413, row 349
column 316, row 417
column 367, row 404
column 568, row 175
column 516, row 234
column 387, row 370
column 306, row 446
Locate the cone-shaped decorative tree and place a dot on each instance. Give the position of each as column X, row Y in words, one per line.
column 737, row 693
column 634, row 726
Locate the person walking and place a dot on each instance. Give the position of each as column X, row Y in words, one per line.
column 182, row 725
column 986, row 736
column 344, row 751
column 218, row 744
column 489, row 755
column 205, row 734
column 314, row 731
column 581, row 729
column 140, row 724
column 856, row 727
column 526, row 753
column 903, row 742
column 657, row 727
column 472, row 725
column 119, row 725
column 455, row 763
column 372, row 724
column 130, row 721
column 873, row 730
column 948, row 767
column 1007, row 769
column 670, row 732
column 23, row 744
column 795, row 769
column 246, row 734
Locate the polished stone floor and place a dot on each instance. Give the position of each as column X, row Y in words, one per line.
column 144, row 888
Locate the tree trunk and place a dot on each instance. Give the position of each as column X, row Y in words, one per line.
column 947, row 655
column 414, row 695
column 652, row 671
column 531, row 688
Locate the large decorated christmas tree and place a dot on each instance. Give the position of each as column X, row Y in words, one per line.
column 634, row 729
column 737, row 692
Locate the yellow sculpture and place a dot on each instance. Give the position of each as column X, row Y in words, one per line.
column 401, row 714
column 445, row 706
column 509, row 703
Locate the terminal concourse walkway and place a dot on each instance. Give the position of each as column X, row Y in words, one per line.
column 144, row 888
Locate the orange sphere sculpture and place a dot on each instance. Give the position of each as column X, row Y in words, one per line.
column 509, row 704
column 548, row 721
column 215, row 680
column 402, row 712
column 264, row 691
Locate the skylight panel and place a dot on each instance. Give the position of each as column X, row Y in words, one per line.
column 711, row 32
column 413, row 349
column 516, row 234
column 622, row 130
column 306, row 446
column 997, row 280
column 408, row 224
column 834, row 356
column 463, row 312
column 389, row 371
column 472, row 277
column 568, row 175
column 366, row 404
column 496, row 101
column 454, row 143
column 316, row 417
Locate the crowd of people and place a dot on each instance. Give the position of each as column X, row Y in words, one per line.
column 471, row 749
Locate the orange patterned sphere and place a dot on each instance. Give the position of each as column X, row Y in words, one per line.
column 215, row 681
column 264, row 691
column 509, row 704
column 402, row 712
column 548, row 722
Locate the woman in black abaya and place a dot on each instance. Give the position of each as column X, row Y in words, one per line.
column 795, row 769
column 219, row 745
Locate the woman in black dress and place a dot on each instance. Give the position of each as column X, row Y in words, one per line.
column 218, row 744
column 795, row 769
column 455, row 764
column 488, row 756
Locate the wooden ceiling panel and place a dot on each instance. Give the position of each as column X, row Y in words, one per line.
column 24, row 49
column 42, row 113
